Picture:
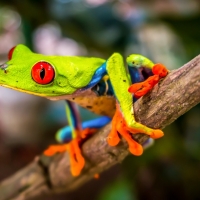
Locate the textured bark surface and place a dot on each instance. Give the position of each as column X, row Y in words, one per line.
column 169, row 99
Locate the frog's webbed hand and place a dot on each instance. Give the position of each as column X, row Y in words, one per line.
column 123, row 122
column 140, row 89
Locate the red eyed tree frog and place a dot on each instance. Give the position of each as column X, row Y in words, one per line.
column 105, row 87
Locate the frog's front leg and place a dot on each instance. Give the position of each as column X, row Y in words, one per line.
column 72, row 137
column 71, row 141
column 124, row 121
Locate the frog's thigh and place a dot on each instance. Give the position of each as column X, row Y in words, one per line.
column 120, row 82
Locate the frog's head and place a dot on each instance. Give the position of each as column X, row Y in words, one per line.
column 34, row 73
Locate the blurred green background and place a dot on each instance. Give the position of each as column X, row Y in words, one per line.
column 166, row 31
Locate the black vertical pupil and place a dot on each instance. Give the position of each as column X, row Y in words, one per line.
column 42, row 73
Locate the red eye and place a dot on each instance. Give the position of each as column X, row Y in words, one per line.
column 43, row 73
column 10, row 53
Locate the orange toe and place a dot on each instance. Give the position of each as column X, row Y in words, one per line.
column 77, row 161
column 119, row 127
column 142, row 92
column 136, row 150
column 134, row 147
column 113, row 138
column 140, row 89
column 152, row 80
column 157, row 133
column 135, row 87
column 53, row 149
column 160, row 69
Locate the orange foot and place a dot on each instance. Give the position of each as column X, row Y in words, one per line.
column 140, row 89
column 160, row 70
column 119, row 126
column 77, row 161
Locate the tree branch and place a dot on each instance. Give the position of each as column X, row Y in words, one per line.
column 169, row 99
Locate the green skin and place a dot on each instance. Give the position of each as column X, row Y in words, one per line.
column 72, row 74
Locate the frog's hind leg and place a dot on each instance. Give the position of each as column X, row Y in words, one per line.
column 73, row 135
column 124, row 122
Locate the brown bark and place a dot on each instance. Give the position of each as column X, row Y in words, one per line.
column 169, row 99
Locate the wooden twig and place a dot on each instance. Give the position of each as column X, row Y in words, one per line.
column 169, row 99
